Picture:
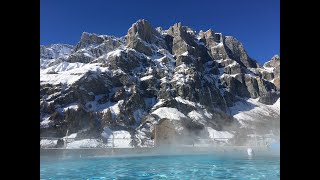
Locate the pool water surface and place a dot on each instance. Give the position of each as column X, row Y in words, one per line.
column 204, row 166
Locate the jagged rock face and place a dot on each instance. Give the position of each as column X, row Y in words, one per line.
column 209, row 37
column 252, row 86
column 132, row 82
column 276, row 82
column 182, row 41
column 267, row 75
column 54, row 54
column 274, row 64
column 235, row 69
column 125, row 61
column 236, row 86
column 55, row 50
column 227, row 47
column 141, row 35
column 87, row 39
column 98, row 42
column 80, row 57
column 236, row 51
column 269, row 98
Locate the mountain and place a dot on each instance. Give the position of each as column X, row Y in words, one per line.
column 204, row 83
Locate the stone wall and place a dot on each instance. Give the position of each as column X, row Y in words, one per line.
column 165, row 133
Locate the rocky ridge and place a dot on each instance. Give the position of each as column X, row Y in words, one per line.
column 110, row 84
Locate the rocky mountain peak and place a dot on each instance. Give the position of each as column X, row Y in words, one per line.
column 273, row 62
column 276, row 56
column 209, row 34
column 273, row 65
column 141, row 29
column 88, row 39
column 236, row 51
column 141, row 34
column 132, row 82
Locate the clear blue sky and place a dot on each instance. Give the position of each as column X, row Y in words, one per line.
column 256, row 23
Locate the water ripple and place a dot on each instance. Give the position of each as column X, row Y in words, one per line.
column 162, row 167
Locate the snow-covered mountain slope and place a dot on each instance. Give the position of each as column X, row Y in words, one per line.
column 49, row 54
column 205, row 83
column 258, row 116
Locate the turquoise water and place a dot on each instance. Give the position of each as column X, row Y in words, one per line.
column 207, row 166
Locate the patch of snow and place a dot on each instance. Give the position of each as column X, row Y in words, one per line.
column 54, row 51
column 206, row 113
column 234, row 75
column 159, row 103
column 116, row 52
column 197, row 117
column 163, row 80
column 74, row 135
column 121, row 134
column 70, row 76
column 117, row 72
column 84, row 143
column 58, row 78
column 146, row 77
column 71, row 106
column 234, row 63
column 48, row 143
column 276, row 105
column 115, row 109
column 269, row 69
column 250, row 75
column 45, row 123
column 87, row 54
column 185, row 53
column 219, row 61
column 252, row 110
column 190, row 31
column 64, row 66
column 184, row 101
column 44, row 63
column 218, row 134
column 219, row 45
column 180, row 75
column 169, row 113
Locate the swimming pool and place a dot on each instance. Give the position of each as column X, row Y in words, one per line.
column 201, row 166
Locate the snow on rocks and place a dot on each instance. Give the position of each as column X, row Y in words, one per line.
column 169, row 113
column 218, row 134
column 84, row 143
column 146, row 78
column 251, row 110
column 48, row 143
column 69, row 74
column 194, row 115
column 184, row 101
